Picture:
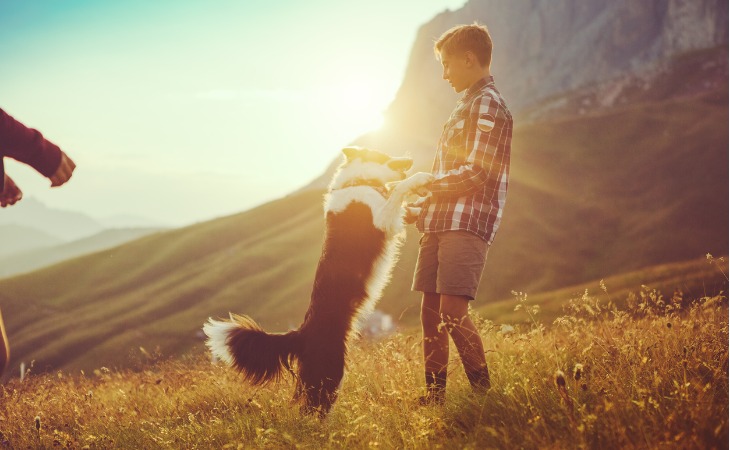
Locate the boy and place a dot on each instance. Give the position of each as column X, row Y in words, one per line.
column 460, row 217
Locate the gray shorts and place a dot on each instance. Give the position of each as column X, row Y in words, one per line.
column 450, row 262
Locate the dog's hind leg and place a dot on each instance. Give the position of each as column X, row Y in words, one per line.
column 320, row 374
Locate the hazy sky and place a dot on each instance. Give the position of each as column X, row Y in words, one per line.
column 184, row 111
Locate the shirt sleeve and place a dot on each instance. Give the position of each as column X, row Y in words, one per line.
column 473, row 171
column 28, row 146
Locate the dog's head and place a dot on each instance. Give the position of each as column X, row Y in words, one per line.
column 363, row 166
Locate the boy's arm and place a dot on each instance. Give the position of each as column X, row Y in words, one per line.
column 480, row 149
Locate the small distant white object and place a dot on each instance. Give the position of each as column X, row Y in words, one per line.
column 506, row 329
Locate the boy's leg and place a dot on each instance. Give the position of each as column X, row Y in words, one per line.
column 435, row 348
column 454, row 313
column 435, row 338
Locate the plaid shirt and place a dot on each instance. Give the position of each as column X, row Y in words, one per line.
column 471, row 166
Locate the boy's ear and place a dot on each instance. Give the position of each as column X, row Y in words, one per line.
column 352, row 152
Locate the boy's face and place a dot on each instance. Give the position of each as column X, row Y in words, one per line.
column 461, row 69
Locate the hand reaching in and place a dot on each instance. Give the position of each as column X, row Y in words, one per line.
column 64, row 171
column 11, row 194
column 413, row 209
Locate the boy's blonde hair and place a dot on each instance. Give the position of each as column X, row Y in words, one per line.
column 462, row 38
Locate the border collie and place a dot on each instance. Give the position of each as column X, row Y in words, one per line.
column 364, row 215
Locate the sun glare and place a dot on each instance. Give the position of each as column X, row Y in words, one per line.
column 361, row 105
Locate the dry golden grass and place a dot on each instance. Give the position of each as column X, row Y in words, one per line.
column 651, row 375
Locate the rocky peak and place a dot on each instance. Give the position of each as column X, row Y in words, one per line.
column 545, row 47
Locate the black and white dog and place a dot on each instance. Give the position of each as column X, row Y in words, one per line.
column 364, row 214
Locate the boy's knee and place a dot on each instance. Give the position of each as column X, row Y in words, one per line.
column 451, row 319
column 454, row 309
column 430, row 306
column 430, row 318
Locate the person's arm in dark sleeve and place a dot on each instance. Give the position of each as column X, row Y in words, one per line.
column 28, row 146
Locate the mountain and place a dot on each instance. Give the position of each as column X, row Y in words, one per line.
column 547, row 47
column 18, row 238
column 616, row 169
column 118, row 221
column 29, row 258
column 65, row 225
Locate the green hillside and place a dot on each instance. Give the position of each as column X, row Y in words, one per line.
column 590, row 198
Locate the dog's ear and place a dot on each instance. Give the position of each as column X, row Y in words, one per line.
column 352, row 152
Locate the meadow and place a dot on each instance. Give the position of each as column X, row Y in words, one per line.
column 640, row 371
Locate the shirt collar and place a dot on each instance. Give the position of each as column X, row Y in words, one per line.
column 478, row 85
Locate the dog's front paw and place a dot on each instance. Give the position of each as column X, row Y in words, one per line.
column 417, row 182
column 420, row 179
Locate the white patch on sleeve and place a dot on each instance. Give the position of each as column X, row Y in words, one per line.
column 485, row 122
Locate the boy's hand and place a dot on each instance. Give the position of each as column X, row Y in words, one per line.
column 64, row 171
column 11, row 194
column 412, row 214
column 413, row 209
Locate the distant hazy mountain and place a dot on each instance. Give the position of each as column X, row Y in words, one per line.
column 40, row 256
column 19, row 238
column 65, row 225
column 130, row 221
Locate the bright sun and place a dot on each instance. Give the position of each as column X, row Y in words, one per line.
column 361, row 103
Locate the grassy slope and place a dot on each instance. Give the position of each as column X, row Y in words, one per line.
column 589, row 199
column 159, row 289
column 29, row 260
column 598, row 196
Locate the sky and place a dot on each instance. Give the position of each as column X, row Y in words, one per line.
column 179, row 111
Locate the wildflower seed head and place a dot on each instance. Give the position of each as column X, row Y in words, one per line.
column 37, row 423
column 560, row 379
column 577, row 371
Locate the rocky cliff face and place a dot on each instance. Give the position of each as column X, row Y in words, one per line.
column 546, row 47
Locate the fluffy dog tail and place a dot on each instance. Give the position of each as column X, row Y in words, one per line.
column 243, row 344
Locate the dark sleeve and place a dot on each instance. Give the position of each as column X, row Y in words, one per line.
column 27, row 146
